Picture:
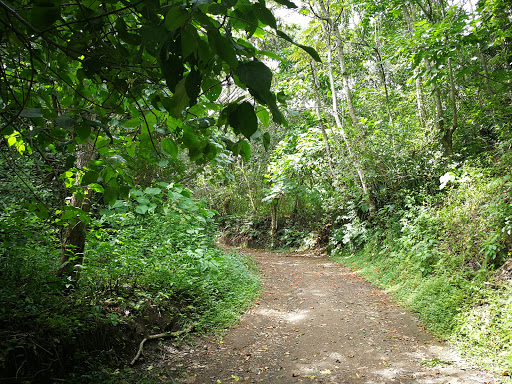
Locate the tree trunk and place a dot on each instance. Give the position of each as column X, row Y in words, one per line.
column 273, row 215
column 409, row 18
column 329, row 26
column 73, row 242
column 249, row 193
column 319, row 117
column 447, row 135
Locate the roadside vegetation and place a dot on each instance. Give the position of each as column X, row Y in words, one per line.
column 142, row 274
column 134, row 135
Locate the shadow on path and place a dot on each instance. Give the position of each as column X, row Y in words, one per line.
column 317, row 321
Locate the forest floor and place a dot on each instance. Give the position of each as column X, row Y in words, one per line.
column 317, row 321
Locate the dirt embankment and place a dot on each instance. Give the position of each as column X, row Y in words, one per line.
column 317, row 321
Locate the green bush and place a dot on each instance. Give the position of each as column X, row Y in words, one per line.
column 436, row 259
column 150, row 262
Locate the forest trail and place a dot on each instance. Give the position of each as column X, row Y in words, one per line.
column 317, row 321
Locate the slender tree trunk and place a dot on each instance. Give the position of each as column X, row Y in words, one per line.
column 438, row 103
column 319, row 116
column 249, row 193
column 329, row 27
column 409, row 18
column 73, row 242
column 273, row 215
column 447, row 134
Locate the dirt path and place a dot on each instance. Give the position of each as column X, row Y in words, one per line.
column 316, row 321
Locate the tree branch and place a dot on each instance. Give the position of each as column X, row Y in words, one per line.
column 160, row 336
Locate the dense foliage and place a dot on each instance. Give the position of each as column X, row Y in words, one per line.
column 397, row 159
column 142, row 273
column 377, row 130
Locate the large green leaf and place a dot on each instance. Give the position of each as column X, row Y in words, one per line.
column 244, row 120
column 90, row 177
column 264, row 14
column 266, row 140
column 263, row 116
column 189, row 41
column 44, row 13
column 110, row 195
column 172, row 69
column 83, row 131
column 65, row 121
column 176, row 17
column 258, row 78
column 244, row 18
column 256, row 75
column 286, row 3
column 180, row 100
column 170, row 147
column 245, row 151
column 193, row 86
column 223, row 46
column 189, row 138
column 314, row 54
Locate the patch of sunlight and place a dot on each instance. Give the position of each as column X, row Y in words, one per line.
column 291, row 317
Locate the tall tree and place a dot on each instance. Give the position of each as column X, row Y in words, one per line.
column 331, row 29
column 150, row 72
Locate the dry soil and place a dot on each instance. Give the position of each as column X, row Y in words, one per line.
column 317, row 321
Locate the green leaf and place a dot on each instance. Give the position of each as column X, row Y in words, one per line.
column 217, row 9
column 263, row 116
column 141, row 209
column 314, row 54
column 135, row 192
column 266, row 140
column 143, row 200
column 189, row 139
column 264, row 14
column 152, row 191
column 110, row 195
column 180, row 100
column 31, row 113
column 286, row 3
column 175, row 18
column 223, row 47
column 256, row 75
column 272, row 55
column 65, row 122
column 245, row 19
column 193, row 86
column 96, row 188
column 245, row 150
column 44, row 14
column 189, row 41
column 83, row 131
column 244, row 120
column 170, row 147
column 90, row 177
column 258, row 79
column 172, row 69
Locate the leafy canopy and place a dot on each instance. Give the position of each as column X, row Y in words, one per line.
column 138, row 79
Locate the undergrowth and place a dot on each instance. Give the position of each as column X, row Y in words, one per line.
column 145, row 271
column 440, row 260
